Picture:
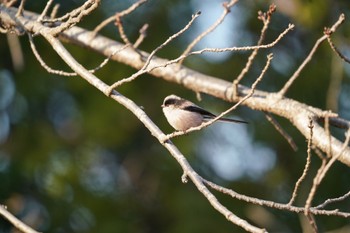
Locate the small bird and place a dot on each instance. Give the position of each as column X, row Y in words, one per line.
column 182, row 114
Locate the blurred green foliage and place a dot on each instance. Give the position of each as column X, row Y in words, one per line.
column 72, row 160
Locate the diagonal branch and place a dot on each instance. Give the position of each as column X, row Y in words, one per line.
column 15, row 221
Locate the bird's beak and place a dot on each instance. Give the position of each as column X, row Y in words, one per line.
column 162, row 105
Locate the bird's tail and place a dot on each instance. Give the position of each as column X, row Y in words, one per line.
column 233, row 120
column 207, row 118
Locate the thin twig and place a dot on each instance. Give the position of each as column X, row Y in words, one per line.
column 20, row 8
column 16, row 51
column 21, row 226
column 328, row 33
column 216, row 50
column 272, row 204
column 143, row 69
column 44, row 13
column 142, row 116
column 322, row 172
column 307, row 164
column 142, row 36
column 54, row 11
column 10, row 3
column 120, row 14
column 279, row 128
column 296, row 74
column 227, row 9
column 64, row 73
column 333, row 200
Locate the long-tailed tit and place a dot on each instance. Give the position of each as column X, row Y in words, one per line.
column 183, row 114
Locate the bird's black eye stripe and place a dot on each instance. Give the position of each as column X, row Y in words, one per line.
column 169, row 102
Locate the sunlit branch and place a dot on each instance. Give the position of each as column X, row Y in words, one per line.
column 307, row 165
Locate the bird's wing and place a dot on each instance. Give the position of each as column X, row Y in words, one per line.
column 194, row 108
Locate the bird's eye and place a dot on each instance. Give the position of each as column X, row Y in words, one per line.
column 169, row 102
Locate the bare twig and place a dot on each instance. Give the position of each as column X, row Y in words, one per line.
column 42, row 62
column 245, row 48
column 279, row 128
column 21, row 226
column 10, row 3
column 145, row 70
column 296, row 74
column 142, row 36
column 312, row 222
column 296, row 118
column 328, row 33
column 333, row 200
column 119, row 24
column 16, row 51
column 265, row 18
column 272, row 204
column 21, row 8
column 307, row 165
column 110, row 19
column 64, row 73
column 334, row 158
column 335, row 83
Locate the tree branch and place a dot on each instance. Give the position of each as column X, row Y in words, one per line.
column 297, row 113
column 15, row 221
